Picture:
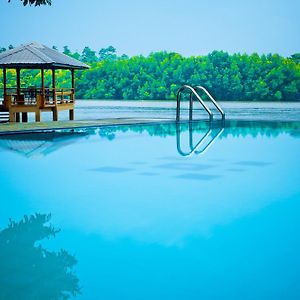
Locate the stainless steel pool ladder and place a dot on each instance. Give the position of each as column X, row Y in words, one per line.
column 194, row 93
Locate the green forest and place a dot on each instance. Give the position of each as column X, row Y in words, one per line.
column 158, row 76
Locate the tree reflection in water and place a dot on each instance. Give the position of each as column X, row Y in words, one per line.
column 27, row 270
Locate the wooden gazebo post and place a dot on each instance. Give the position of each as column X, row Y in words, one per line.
column 18, row 70
column 55, row 111
column 73, row 80
column 71, row 111
column 4, row 87
column 40, row 98
column 20, row 98
column 43, row 82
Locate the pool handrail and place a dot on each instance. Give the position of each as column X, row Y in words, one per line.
column 199, row 87
column 192, row 93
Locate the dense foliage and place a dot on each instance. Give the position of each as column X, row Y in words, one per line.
column 234, row 77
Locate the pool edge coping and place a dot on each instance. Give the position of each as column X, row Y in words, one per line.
column 131, row 122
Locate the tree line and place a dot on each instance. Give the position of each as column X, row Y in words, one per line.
column 158, row 76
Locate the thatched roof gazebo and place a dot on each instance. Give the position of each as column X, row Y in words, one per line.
column 23, row 100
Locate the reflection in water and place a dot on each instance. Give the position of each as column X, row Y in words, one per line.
column 234, row 128
column 212, row 133
column 27, row 270
column 39, row 144
column 44, row 143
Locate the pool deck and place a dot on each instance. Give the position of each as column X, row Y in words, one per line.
column 10, row 128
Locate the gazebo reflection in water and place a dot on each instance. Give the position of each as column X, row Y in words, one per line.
column 17, row 100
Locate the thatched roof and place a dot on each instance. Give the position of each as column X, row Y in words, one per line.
column 36, row 56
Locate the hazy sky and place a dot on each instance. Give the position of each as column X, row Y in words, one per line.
column 190, row 27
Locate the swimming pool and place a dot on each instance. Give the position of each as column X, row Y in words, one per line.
column 152, row 212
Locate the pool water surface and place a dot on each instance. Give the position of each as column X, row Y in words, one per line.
column 163, row 211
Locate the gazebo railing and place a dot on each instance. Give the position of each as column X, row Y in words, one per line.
column 25, row 96
column 38, row 97
column 58, row 96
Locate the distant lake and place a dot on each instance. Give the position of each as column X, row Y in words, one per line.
column 100, row 109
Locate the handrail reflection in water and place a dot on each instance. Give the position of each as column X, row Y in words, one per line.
column 202, row 144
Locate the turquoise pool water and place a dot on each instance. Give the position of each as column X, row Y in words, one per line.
column 140, row 218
